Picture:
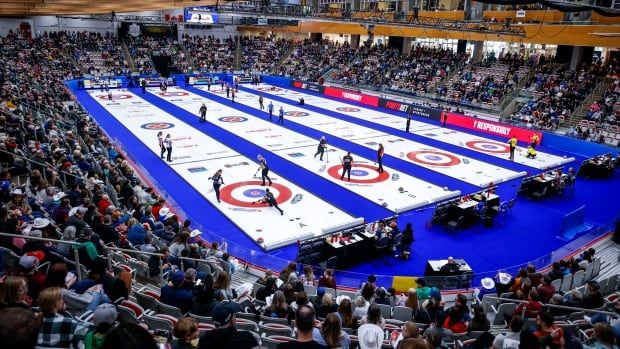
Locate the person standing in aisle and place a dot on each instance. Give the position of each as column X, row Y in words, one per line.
column 271, row 200
column 162, row 147
column 380, row 153
column 264, row 169
column 217, row 183
column 270, row 109
column 281, row 115
column 347, row 163
column 168, row 144
column 260, row 102
column 203, row 112
column 512, row 142
column 321, row 148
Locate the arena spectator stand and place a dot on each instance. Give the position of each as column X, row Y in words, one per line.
column 209, row 54
column 98, row 54
column 263, row 54
column 79, row 192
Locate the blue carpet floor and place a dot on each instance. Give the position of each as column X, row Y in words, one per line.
column 528, row 233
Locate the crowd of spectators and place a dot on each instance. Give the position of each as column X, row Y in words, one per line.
column 421, row 70
column 77, row 188
column 557, row 92
column 379, row 66
column 143, row 48
column 310, row 60
column 98, row 54
column 262, row 54
column 210, row 54
column 484, row 83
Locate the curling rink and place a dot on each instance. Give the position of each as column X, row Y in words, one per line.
column 461, row 139
column 457, row 166
column 380, row 188
column 197, row 156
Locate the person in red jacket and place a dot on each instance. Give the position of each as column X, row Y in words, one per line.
column 104, row 203
column 157, row 207
column 532, row 308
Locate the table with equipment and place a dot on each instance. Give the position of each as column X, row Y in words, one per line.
column 435, row 277
column 464, row 211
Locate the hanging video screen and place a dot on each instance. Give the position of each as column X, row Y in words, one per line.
column 201, row 15
column 147, row 29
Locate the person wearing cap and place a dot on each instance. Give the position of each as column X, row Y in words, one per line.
column 593, row 299
column 370, row 334
column 503, row 282
column 450, row 268
column 35, row 279
column 19, row 203
column 104, row 318
column 226, row 336
column 173, row 295
column 77, row 218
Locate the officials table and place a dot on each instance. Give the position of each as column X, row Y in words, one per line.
column 597, row 167
column 349, row 250
column 465, row 212
column 434, row 277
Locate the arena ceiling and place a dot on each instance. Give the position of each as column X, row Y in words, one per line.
column 71, row 7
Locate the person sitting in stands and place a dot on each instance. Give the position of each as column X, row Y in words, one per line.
column 172, row 294
column 546, row 289
column 548, row 335
column 450, row 268
column 267, row 290
column 594, row 299
column 226, row 335
column 327, row 280
column 423, row 291
column 532, row 308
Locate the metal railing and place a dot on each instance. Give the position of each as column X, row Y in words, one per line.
column 556, row 306
column 106, row 247
column 408, row 19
